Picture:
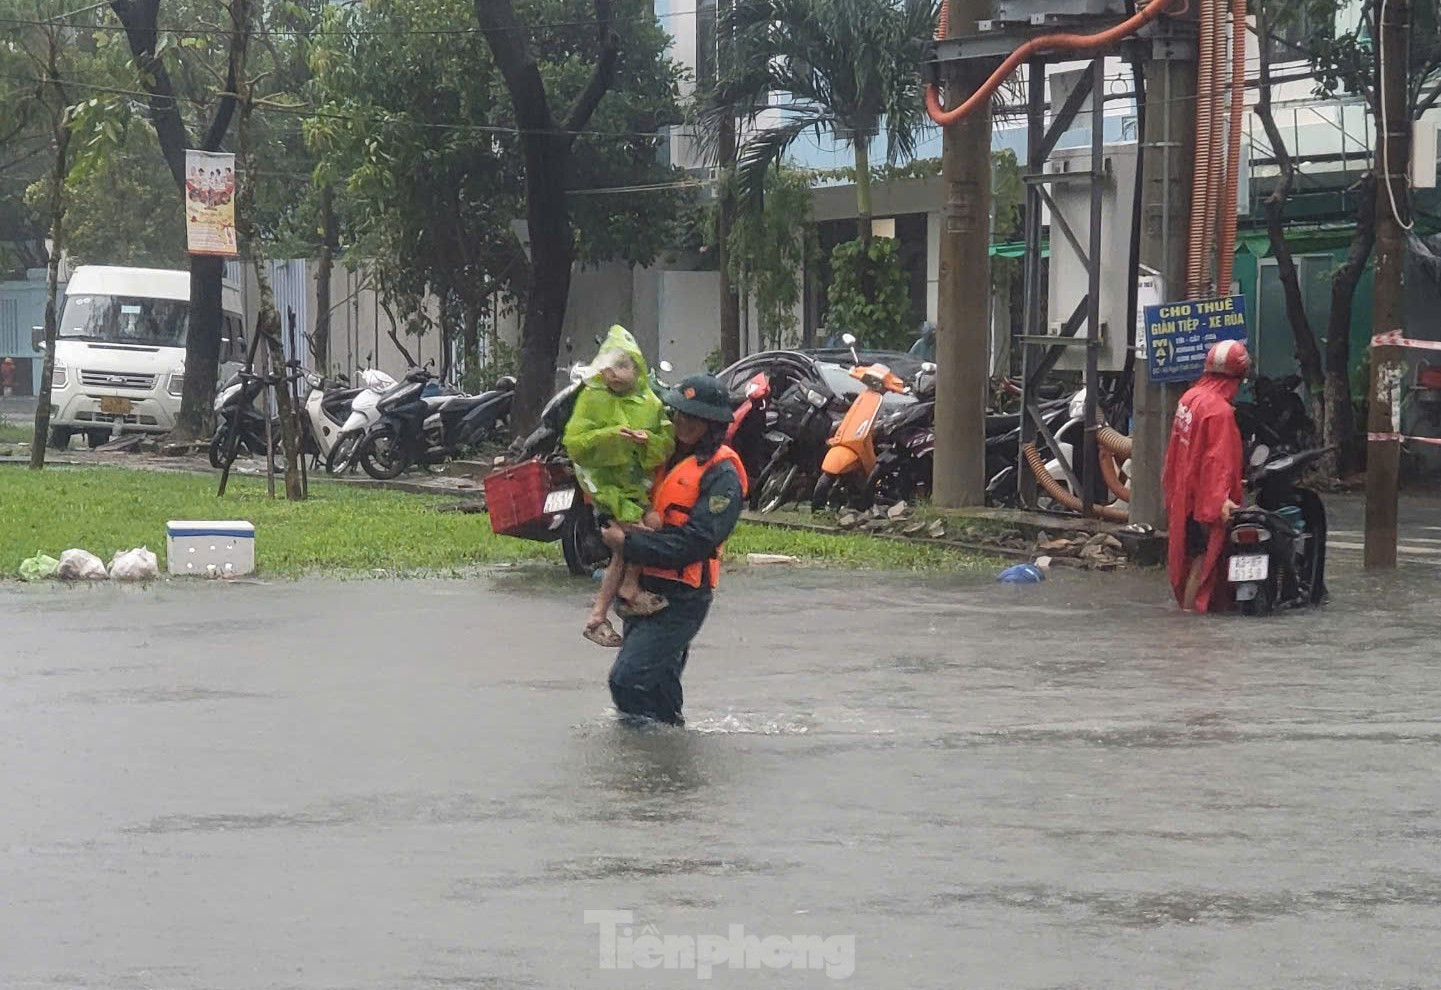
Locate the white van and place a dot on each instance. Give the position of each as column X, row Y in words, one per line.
column 120, row 351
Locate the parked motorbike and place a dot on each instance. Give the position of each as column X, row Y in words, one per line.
column 1276, row 549
column 751, row 421
column 798, row 445
column 236, row 413
column 580, row 540
column 852, row 455
column 1276, row 416
column 361, row 415
column 416, row 428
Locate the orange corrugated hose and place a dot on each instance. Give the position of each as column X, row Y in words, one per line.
column 1227, row 246
column 1202, row 201
column 1050, row 42
column 1061, row 494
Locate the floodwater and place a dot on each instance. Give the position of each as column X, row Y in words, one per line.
column 897, row 782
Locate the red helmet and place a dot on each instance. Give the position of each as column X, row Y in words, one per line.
column 1229, row 358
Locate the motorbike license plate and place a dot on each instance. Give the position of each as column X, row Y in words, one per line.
column 114, row 405
column 1251, row 567
column 559, row 500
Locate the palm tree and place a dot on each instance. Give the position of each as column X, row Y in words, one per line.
column 840, row 67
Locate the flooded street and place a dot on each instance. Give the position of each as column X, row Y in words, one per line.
column 912, row 782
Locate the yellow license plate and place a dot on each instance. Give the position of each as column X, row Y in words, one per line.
column 114, row 405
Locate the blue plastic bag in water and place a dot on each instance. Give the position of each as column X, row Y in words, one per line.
column 1022, row 574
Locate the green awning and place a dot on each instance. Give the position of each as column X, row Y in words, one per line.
column 1017, row 249
column 1301, row 239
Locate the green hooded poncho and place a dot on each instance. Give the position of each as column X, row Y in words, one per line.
column 616, row 472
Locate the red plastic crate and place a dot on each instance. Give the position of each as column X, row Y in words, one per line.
column 515, row 497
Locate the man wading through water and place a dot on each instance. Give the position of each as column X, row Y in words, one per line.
column 699, row 499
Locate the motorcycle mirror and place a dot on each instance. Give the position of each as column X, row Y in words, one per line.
column 667, row 367
column 928, row 366
column 1260, row 455
column 848, row 339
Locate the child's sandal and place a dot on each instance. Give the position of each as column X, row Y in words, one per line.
column 644, row 604
column 602, row 633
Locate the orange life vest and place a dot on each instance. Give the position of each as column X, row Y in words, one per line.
column 674, row 498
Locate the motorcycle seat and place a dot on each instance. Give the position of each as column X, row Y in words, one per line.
column 465, row 403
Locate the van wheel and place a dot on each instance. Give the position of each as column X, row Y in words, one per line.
column 60, row 437
column 97, row 438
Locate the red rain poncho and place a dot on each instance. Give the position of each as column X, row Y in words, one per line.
column 1204, row 464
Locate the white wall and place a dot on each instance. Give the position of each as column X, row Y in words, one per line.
column 688, row 307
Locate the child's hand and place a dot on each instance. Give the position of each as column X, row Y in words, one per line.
column 652, row 520
column 635, row 436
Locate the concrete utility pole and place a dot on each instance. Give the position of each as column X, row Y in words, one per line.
column 1170, row 141
column 963, row 323
column 1393, row 216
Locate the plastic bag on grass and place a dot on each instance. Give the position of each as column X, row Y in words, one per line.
column 80, row 565
column 134, row 565
column 38, row 567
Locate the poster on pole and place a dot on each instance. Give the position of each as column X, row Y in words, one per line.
column 1179, row 334
column 210, row 203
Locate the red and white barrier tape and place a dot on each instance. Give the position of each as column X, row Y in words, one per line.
column 1398, row 437
column 1394, row 339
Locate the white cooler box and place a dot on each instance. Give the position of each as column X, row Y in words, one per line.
column 210, row 549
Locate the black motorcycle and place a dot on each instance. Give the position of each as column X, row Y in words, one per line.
column 906, row 446
column 1276, row 416
column 417, row 428
column 1276, row 549
column 802, row 424
column 239, row 425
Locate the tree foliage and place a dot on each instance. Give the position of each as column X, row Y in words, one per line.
column 846, row 68
column 869, row 292
column 770, row 247
column 414, row 126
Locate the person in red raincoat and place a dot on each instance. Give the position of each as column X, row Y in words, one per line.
column 1202, row 478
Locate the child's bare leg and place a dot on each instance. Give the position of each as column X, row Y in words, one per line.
column 610, row 585
column 630, row 584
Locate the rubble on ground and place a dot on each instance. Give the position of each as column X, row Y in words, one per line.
column 1089, row 551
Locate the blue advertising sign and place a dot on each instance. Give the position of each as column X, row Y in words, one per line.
column 1179, row 334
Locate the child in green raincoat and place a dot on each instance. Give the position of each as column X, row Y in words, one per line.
column 617, row 438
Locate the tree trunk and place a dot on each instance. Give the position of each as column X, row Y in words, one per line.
column 547, row 158
column 1308, row 355
column 730, row 313
column 1340, row 424
column 320, row 338
column 863, row 188
column 202, row 342
column 552, row 254
column 52, row 284
column 267, row 321
column 470, row 344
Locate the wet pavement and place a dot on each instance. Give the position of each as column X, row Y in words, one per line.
column 910, row 782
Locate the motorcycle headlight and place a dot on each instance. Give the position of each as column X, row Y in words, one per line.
column 816, row 399
column 312, row 379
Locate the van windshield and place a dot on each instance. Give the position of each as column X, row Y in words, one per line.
column 125, row 320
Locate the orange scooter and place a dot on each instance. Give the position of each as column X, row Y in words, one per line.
column 852, row 454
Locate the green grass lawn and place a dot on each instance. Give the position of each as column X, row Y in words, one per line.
column 341, row 529
column 15, row 432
